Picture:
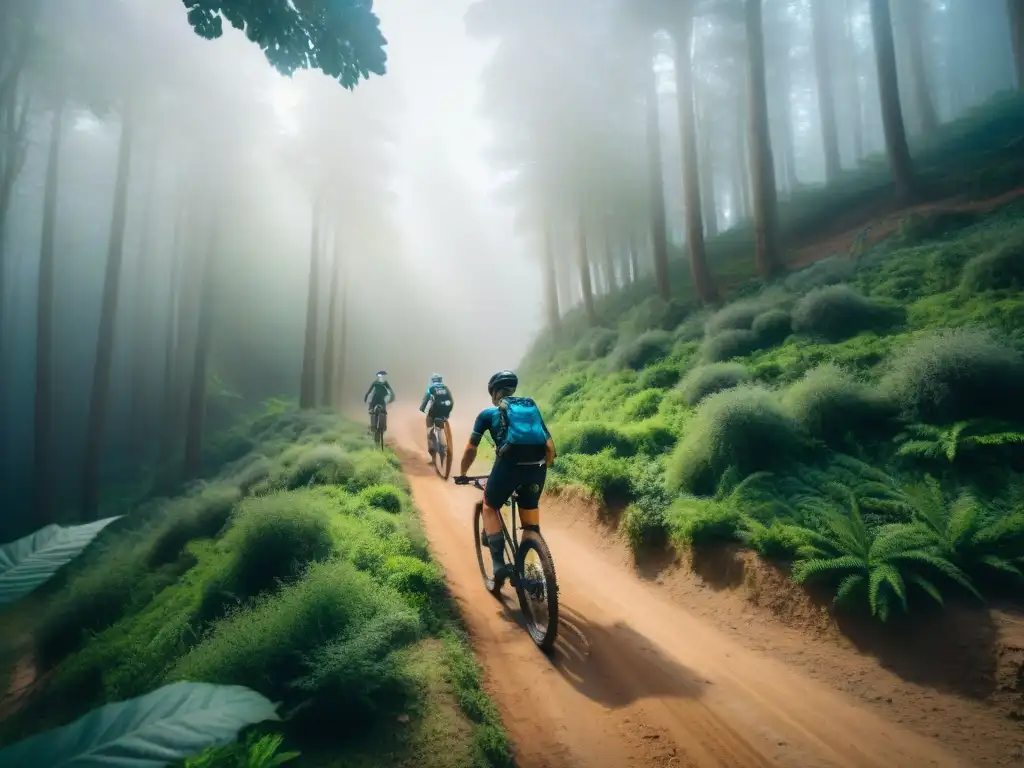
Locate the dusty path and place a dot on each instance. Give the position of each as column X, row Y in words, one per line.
column 635, row 680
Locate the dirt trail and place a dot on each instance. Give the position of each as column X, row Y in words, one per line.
column 636, row 680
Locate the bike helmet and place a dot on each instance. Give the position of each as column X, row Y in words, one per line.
column 382, row 375
column 502, row 380
column 435, row 378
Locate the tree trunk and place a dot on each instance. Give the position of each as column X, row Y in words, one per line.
column 913, row 23
column 1015, row 9
column 889, row 99
column 823, row 76
column 742, row 166
column 44, row 496
column 659, row 235
column 790, row 180
column 108, row 317
column 766, row 228
column 583, row 262
column 610, row 278
column 339, row 388
column 856, row 97
column 171, row 375
column 196, row 415
column 551, row 282
column 634, row 260
column 307, row 389
column 330, row 354
column 703, row 284
column 141, row 397
column 707, row 175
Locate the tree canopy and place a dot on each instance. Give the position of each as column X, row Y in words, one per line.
column 341, row 38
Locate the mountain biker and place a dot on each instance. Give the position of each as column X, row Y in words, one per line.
column 380, row 394
column 524, row 451
column 437, row 403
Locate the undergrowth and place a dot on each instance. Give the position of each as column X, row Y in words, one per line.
column 297, row 569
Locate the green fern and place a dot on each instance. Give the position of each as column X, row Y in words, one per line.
column 876, row 567
column 965, row 532
column 927, row 441
column 255, row 752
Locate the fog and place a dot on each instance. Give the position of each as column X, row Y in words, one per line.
column 282, row 236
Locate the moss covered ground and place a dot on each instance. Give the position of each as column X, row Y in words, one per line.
column 297, row 568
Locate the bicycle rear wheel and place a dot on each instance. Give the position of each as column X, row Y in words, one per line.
column 537, row 588
column 442, row 458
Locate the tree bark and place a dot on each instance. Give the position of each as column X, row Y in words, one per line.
column 823, row 76
column 44, row 495
column 610, row 278
column 339, row 387
column 108, row 317
column 583, row 262
column 171, row 375
column 856, row 96
column 307, row 389
column 634, row 260
column 330, row 353
column 889, row 99
column 659, row 236
column 912, row 16
column 742, row 174
column 141, row 400
column 1015, row 9
column 551, row 281
column 196, row 415
column 766, row 228
column 703, row 284
column 707, row 175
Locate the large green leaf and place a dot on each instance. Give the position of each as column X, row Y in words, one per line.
column 160, row 728
column 30, row 562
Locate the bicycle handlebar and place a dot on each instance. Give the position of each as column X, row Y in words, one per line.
column 473, row 480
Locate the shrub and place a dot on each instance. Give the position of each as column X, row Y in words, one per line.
column 643, row 404
column 249, row 472
column 919, row 227
column 644, row 350
column 772, row 327
column 828, row 271
column 645, row 527
column 649, row 438
column 692, row 328
column 831, row 405
column 957, row 375
column 1001, row 267
column 385, row 497
column 595, row 343
column 707, row 379
column 324, row 464
column 192, row 518
column 740, row 315
column 703, row 522
column 777, row 541
column 837, row 312
column 604, row 475
column 271, row 538
column 744, row 428
column 729, row 344
column 376, row 468
column 663, row 376
column 592, row 438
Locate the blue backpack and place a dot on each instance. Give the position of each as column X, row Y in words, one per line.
column 520, row 424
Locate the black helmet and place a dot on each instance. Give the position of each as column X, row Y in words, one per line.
column 502, row 380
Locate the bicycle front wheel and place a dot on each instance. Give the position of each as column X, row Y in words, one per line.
column 443, row 452
column 483, row 553
column 537, row 588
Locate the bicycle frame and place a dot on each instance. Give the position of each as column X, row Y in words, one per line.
column 510, row 536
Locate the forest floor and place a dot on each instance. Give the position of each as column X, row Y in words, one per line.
column 691, row 671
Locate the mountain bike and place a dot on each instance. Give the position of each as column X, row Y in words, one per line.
column 535, row 582
column 379, row 425
column 439, row 441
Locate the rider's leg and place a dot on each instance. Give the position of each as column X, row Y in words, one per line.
column 500, row 485
column 532, row 479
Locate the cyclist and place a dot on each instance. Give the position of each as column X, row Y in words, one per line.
column 380, row 394
column 524, row 451
column 437, row 404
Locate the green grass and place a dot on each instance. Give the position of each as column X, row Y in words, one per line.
column 832, row 380
column 298, row 569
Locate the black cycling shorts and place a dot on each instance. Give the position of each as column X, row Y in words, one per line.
column 507, row 477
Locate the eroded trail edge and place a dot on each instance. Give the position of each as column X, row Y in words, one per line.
column 635, row 679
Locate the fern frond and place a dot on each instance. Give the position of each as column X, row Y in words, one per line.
column 964, row 521
column 942, row 565
column 805, row 570
column 848, row 587
column 1001, row 565
column 930, row 589
column 921, row 449
column 881, row 576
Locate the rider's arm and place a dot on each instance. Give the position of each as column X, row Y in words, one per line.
column 391, row 392
column 366, row 397
column 426, row 399
column 549, row 447
column 481, row 425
